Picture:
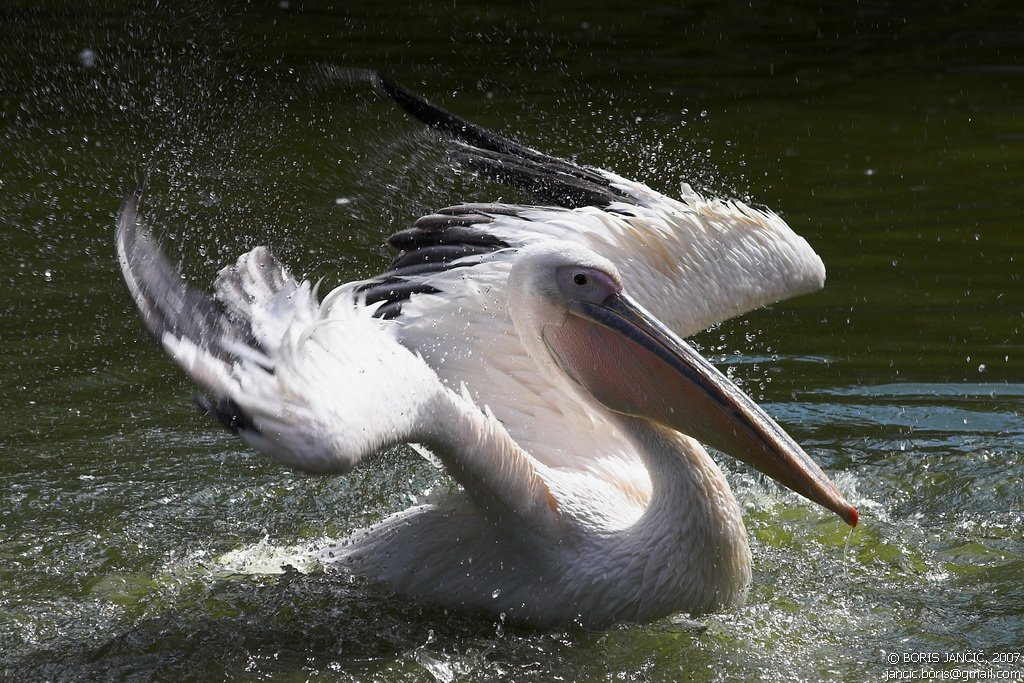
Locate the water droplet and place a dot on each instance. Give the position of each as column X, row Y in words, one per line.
column 499, row 628
column 87, row 58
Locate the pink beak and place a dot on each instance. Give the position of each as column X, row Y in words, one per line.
column 633, row 364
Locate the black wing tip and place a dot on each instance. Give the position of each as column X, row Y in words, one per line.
column 138, row 250
column 437, row 117
column 166, row 303
column 413, row 103
column 547, row 178
column 420, row 108
column 133, row 241
column 144, row 267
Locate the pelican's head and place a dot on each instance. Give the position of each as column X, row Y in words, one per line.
column 569, row 306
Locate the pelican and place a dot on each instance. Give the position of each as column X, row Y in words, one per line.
column 537, row 352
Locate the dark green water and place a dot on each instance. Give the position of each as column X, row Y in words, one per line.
column 136, row 541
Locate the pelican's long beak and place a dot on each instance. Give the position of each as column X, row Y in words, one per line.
column 633, row 364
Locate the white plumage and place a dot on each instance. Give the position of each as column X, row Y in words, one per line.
column 514, row 343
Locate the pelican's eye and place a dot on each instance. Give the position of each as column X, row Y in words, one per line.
column 580, row 283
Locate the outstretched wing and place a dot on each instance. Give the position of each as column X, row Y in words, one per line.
column 284, row 372
column 692, row 261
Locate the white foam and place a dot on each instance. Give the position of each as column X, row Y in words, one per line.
column 265, row 558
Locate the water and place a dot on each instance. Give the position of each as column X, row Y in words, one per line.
column 136, row 541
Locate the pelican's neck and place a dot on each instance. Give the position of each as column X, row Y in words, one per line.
column 687, row 552
column 692, row 530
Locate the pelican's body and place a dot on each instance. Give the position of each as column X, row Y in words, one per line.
column 515, row 344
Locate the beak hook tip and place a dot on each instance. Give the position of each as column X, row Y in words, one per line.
column 851, row 516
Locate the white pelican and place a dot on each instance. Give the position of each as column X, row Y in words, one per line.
column 519, row 345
